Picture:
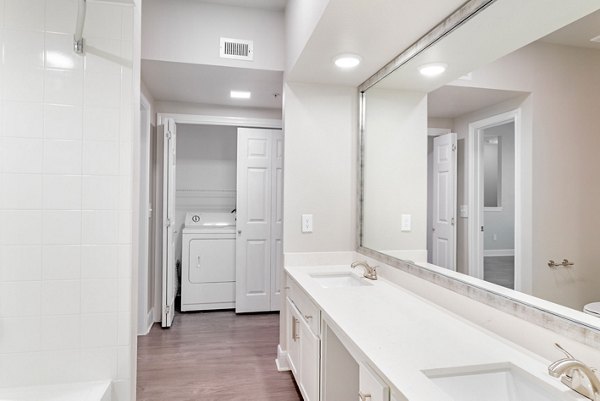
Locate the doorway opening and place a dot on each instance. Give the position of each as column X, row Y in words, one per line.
column 230, row 170
column 493, row 192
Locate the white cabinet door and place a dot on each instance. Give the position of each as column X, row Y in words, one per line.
column 309, row 362
column 293, row 340
column 371, row 387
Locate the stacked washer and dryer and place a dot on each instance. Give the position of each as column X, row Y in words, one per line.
column 208, row 261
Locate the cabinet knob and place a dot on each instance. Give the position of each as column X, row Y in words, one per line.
column 364, row 397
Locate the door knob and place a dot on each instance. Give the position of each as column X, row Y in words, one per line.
column 239, row 232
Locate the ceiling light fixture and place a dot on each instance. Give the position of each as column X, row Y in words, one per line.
column 432, row 69
column 347, row 61
column 595, row 39
column 240, row 95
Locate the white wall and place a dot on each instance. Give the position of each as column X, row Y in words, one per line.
column 500, row 224
column 206, row 171
column 395, row 176
column 320, row 166
column 188, row 31
column 565, row 85
column 301, row 18
column 65, row 203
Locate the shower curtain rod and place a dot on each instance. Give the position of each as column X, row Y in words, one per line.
column 78, row 37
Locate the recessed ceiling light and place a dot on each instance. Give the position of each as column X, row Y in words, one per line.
column 433, row 69
column 240, row 95
column 347, row 61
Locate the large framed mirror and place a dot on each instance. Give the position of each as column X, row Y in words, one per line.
column 477, row 153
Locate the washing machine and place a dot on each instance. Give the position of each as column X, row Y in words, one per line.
column 208, row 261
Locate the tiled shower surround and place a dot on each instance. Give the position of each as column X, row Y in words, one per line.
column 65, row 194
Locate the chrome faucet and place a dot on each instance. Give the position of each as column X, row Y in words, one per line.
column 369, row 273
column 576, row 375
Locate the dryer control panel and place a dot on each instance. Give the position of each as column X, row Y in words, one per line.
column 204, row 219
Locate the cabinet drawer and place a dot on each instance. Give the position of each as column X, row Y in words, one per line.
column 309, row 311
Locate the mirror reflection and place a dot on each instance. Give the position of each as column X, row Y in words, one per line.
column 489, row 169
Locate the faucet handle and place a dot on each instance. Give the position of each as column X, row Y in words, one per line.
column 564, row 351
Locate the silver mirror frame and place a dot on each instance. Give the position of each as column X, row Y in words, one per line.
column 578, row 330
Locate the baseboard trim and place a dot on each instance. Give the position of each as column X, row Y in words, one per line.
column 282, row 361
column 142, row 331
column 499, row 252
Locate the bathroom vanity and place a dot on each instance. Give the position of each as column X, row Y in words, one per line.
column 351, row 338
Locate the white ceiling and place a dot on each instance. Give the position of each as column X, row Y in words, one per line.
column 195, row 83
column 278, row 5
column 454, row 101
column 578, row 33
column 377, row 30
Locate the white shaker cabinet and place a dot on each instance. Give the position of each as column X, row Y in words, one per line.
column 371, row 387
column 303, row 342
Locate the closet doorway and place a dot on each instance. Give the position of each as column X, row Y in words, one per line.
column 248, row 181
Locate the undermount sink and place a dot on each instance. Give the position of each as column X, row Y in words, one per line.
column 504, row 382
column 338, row 280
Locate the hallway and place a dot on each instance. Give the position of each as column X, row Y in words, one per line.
column 213, row 356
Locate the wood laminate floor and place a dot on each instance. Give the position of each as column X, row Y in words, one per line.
column 499, row 270
column 213, row 356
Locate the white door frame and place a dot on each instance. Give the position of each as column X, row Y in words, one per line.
column 475, row 183
column 145, row 317
column 204, row 119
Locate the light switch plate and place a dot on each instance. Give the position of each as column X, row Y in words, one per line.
column 464, row 211
column 307, row 223
column 406, row 222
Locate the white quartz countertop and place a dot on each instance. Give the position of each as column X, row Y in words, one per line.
column 401, row 334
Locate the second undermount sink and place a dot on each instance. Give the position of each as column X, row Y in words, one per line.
column 504, row 382
column 337, row 280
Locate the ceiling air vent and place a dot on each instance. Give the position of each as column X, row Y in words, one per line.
column 238, row 49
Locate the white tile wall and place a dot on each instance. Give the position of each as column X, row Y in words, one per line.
column 65, row 194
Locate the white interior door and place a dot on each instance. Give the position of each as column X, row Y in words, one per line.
column 444, row 201
column 254, row 218
column 276, row 220
column 169, row 276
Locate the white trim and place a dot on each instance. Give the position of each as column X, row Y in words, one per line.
column 475, row 236
column 248, row 122
column 282, row 360
column 493, row 209
column 145, row 329
column 499, row 252
column 143, row 221
column 438, row 131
